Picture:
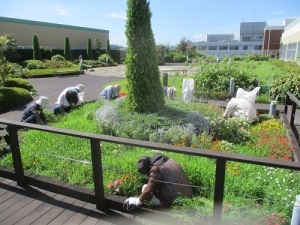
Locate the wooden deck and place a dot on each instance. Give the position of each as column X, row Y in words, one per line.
column 32, row 205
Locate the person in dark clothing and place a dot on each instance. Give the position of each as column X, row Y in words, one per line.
column 34, row 112
column 167, row 181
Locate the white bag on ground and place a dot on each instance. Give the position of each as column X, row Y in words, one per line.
column 187, row 89
column 250, row 96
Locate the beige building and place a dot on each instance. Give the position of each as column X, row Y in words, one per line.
column 51, row 35
column 290, row 41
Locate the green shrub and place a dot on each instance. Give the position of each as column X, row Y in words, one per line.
column 257, row 57
column 58, row 57
column 13, row 97
column 287, row 82
column 47, row 53
column 263, row 98
column 216, row 78
column 18, row 82
column 234, row 130
column 36, row 65
column 110, row 62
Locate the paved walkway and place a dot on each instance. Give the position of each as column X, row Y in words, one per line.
column 94, row 82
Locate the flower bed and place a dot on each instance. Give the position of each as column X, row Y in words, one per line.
column 252, row 193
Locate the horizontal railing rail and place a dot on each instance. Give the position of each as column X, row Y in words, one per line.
column 95, row 139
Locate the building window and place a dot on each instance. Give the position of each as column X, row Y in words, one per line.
column 234, row 47
column 257, row 47
column 201, row 48
column 223, row 48
column 245, row 38
column 245, row 47
column 212, row 47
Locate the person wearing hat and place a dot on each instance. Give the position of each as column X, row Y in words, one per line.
column 110, row 92
column 69, row 98
column 34, row 112
column 167, row 180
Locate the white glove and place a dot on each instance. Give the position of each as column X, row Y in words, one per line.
column 133, row 201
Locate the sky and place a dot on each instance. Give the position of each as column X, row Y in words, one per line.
column 172, row 20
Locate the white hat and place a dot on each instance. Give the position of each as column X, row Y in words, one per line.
column 80, row 87
column 116, row 89
column 43, row 102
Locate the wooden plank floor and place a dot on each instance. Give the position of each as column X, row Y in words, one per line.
column 35, row 206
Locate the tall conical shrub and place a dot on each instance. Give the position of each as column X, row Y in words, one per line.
column 144, row 88
column 108, row 47
column 67, row 50
column 37, row 54
column 89, row 49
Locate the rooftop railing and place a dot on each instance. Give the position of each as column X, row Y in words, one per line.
column 102, row 200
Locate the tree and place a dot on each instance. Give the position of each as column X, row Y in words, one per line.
column 163, row 51
column 37, row 55
column 67, row 51
column 182, row 46
column 97, row 45
column 144, row 88
column 10, row 52
column 108, row 48
column 5, row 67
column 186, row 48
column 89, row 49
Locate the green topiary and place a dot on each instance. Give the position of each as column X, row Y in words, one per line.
column 37, row 54
column 67, row 50
column 144, row 86
column 13, row 97
column 89, row 49
column 18, row 82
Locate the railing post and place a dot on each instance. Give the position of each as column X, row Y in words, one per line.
column 16, row 155
column 219, row 191
column 293, row 114
column 286, row 103
column 97, row 173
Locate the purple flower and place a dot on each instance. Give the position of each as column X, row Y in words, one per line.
column 111, row 185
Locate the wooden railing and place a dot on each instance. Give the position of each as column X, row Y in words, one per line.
column 97, row 196
column 295, row 103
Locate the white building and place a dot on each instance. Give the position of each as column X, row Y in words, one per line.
column 290, row 41
column 251, row 36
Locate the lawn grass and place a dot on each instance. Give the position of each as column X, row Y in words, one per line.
column 265, row 70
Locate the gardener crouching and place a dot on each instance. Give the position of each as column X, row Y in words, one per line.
column 167, row 181
column 34, row 112
column 110, row 92
column 69, row 99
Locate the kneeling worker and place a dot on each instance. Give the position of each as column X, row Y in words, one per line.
column 167, row 181
column 34, row 112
